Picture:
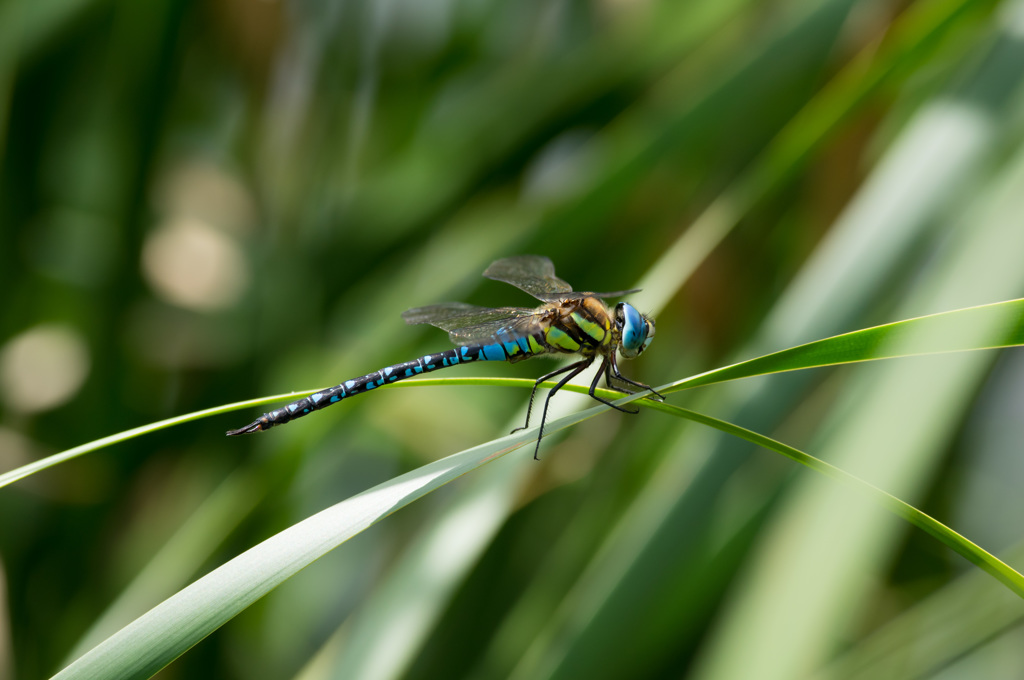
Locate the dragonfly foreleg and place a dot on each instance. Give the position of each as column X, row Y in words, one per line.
column 611, row 367
column 606, row 368
column 597, row 379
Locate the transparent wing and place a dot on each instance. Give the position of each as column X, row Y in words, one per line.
column 531, row 273
column 535, row 274
column 469, row 324
column 451, row 315
column 609, row 294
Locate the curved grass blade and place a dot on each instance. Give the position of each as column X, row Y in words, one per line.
column 156, row 638
column 932, row 334
column 161, row 635
column 167, row 631
column 14, row 475
column 988, row 562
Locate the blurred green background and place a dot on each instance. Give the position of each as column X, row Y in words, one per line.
column 207, row 202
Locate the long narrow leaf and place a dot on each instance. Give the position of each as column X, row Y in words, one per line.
column 974, row 553
column 161, row 635
column 932, row 334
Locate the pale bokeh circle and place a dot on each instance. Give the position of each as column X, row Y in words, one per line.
column 191, row 264
column 43, row 368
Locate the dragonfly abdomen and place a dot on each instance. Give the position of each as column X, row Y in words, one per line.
column 513, row 350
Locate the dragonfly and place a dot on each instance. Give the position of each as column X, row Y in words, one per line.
column 567, row 323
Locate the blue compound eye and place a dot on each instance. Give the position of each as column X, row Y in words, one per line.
column 637, row 330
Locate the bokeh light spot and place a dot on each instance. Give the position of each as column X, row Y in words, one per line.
column 190, row 264
column 42, row 368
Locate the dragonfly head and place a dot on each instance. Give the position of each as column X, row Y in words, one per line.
column 636, row 330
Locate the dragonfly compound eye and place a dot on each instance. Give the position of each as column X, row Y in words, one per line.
column 637, row 330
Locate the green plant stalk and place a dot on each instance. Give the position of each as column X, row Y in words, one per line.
column 988, row 562
column 161, row 635
column 170, row 629
column 942, row 333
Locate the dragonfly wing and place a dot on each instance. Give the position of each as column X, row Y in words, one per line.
column 469, row 324
column 531, row 273
column 449, row 315
column 536, row 275
column 498, row 330
column 614, row 293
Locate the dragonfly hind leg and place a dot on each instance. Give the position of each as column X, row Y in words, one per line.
column 537, row 383
column 574, row 370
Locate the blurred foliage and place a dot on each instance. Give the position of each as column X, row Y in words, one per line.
column 207, row 202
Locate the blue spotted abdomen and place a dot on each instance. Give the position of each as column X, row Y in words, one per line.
column 514, row 349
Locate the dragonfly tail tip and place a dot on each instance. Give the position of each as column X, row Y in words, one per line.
column 254, row 426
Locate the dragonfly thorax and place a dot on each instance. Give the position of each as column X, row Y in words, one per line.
column 635, row 330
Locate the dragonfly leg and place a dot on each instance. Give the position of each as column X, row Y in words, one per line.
column 574, row 370
column 597, row 379
column 536, row 386
column 608, row 378
column 612, row 367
